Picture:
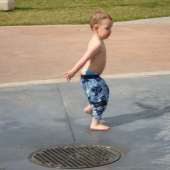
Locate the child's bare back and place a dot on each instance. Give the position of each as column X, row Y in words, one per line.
column 98, row 62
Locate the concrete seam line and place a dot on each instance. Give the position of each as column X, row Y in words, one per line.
column 76, row 79
column 67, row 116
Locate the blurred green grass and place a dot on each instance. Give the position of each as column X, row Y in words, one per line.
column 52, row 12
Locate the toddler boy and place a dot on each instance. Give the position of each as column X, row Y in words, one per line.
column 94, row 61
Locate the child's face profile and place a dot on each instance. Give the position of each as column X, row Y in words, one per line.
column 104, row 28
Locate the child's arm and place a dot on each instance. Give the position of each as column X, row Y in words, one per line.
column 92, row 51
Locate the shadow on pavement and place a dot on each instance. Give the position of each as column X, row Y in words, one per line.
column 150, row 112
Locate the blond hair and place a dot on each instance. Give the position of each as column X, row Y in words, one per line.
column 97, row 17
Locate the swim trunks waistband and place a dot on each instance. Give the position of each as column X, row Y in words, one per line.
column 87, row 72
column 90, row 76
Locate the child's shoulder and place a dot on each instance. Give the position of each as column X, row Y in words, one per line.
column 94, row 42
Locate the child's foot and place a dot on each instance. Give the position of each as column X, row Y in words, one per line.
column 99, row 127
column 88, row 110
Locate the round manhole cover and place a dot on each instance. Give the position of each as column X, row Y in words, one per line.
column 75, row 156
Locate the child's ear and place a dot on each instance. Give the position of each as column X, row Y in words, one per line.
column 96, row 27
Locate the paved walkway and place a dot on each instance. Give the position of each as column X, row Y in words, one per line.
column 37, row 112
column 46, row 52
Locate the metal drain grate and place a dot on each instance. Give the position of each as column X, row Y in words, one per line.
column 75, row 156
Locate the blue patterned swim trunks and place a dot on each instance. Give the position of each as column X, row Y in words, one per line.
column 97, row 93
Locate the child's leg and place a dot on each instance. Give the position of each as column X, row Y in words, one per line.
column 99, row 105
column 95, row 125
column 88, row 110
column 98, row 95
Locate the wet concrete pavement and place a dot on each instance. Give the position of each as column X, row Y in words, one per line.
column 40, row 114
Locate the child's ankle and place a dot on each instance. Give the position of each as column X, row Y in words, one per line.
column 95, row 122
column 95, row 125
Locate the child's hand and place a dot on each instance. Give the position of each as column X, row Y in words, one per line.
column 69, row 75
